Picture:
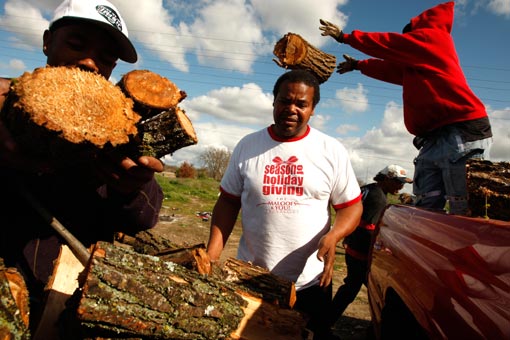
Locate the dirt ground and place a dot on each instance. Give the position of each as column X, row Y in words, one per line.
column 191, row 230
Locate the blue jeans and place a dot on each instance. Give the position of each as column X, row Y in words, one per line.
column 440, row 170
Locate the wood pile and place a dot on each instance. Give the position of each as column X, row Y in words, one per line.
column 67, row 115
column 125, row 294
column 489, row 189
column 294, row 52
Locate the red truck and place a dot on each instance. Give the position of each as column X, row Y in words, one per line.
column 439, row 276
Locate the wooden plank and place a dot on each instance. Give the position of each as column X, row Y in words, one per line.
column 61, row 286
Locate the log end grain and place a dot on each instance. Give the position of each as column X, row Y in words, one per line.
column 294, row 52
column 150, row 91
column 54, row 112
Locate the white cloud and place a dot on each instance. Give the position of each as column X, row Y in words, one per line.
column 389, row 143
column 244, row 105
column 319, row 121
column 353, row 100
column 500, row 123
column 344, row 129
column 25, row 19
column 209, row 135
column 300, row 17
column 501, row 7
column 14, row 65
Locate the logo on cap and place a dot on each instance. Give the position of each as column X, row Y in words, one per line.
column 110, row 15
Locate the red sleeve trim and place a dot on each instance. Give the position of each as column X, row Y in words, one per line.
column 347, row 204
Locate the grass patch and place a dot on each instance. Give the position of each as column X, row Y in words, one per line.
column 189, row 195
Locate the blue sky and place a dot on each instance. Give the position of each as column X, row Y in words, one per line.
column 220, row 53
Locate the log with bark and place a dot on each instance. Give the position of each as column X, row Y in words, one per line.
column 14, row 305
column 489, row 189
column 127, row 294
column 164, row 134
column 165, row 127
column 193, row 257
column 294, row 52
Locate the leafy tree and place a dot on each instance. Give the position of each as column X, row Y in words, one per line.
column 215, row 161
column 186, row 170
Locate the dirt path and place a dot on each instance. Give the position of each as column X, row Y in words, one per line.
column 191, row 230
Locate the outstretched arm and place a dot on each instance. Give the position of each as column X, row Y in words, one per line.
column 223, row 219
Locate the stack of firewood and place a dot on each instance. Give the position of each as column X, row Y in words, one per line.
column 146, row 287
column 489, row 189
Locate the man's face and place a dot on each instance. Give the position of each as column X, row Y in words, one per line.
column 394, row 186
column 292, row 109
column 82, row 45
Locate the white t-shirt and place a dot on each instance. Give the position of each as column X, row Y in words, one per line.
column 285, row 189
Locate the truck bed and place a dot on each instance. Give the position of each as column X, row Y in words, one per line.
column 439, row 276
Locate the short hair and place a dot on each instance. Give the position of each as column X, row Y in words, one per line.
column 299, row 76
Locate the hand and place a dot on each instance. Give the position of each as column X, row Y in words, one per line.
column 332, row 30
column 348, row 65
column 126, row 175
column 326, row 254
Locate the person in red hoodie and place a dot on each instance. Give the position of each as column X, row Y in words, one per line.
column 449, row 121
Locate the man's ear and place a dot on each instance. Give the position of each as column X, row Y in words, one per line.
column 46, row 41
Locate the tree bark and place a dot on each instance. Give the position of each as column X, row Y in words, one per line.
column 294, row 52
column 164, row 134
column 258, row 280
column 126, row 294
column 14, row 308
column 489, row 189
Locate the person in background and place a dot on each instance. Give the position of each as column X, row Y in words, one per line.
column 389, row 180
column 449, row 121
column 91, row 199
column 284, row 179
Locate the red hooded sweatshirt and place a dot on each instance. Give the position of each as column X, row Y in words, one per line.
column 424, row 61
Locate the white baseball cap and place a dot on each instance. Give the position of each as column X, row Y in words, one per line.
column 397, row 172
column 102, row 13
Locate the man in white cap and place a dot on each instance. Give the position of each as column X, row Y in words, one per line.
column 389, row 180
column 93, row 200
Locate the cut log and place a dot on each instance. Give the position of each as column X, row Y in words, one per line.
column 60, row 113
column 192, row 257
column 164, row 134
column 61, row 286
column 126, row 294
column 294, row 52
column 489, row 189
column 14, row 306
column 268, row 321
column 258, row 280
column 151, row 92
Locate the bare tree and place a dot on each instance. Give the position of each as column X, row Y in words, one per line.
column 215, row 161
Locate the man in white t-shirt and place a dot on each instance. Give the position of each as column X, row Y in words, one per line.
column 285, row 178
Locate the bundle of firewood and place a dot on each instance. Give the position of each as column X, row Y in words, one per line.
column 294, row 52
column 489, row 189
column 65, row 114
column 147, row 287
